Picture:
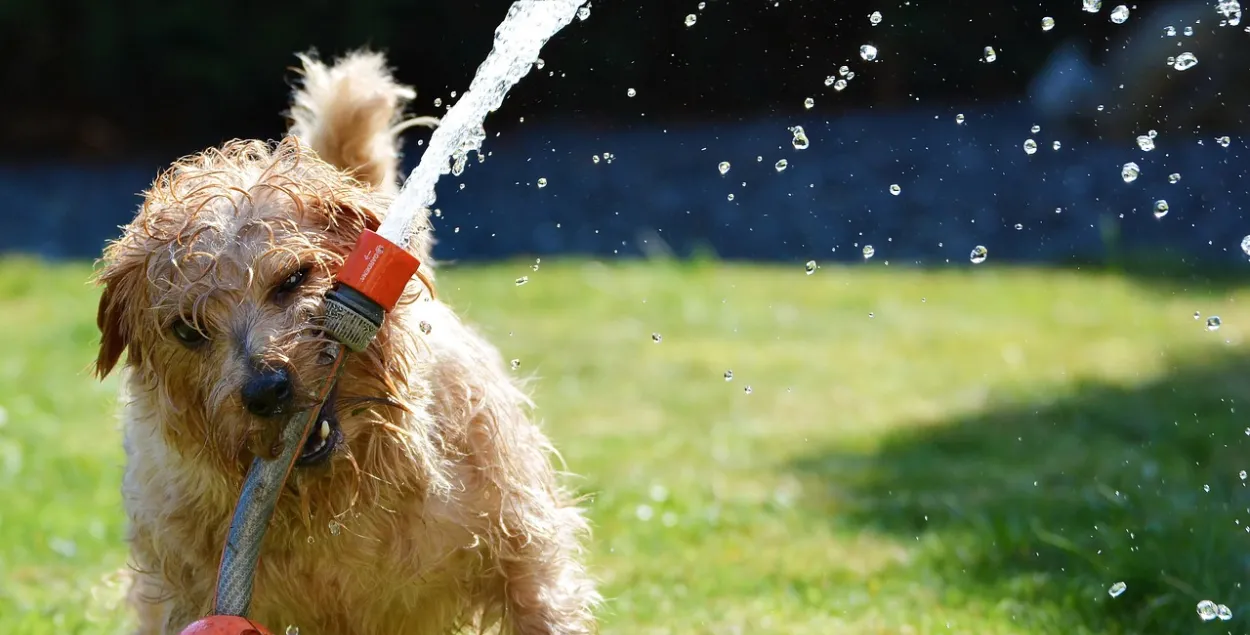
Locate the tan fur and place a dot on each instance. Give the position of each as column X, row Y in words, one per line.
column 442, row 512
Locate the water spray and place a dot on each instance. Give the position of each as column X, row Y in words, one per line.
column 367, row 287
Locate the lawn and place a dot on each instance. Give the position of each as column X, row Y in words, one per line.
column 980, row 449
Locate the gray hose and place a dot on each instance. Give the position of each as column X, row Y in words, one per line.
column 353, row 320
column 265, row 480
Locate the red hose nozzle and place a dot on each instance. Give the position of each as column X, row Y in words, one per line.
column 368, row 285
column 225, row 625
column 378, row 269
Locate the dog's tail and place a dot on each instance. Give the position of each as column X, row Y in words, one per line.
column 351, row 115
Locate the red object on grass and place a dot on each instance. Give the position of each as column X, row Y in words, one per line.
column 379, row 269
column 225, row 625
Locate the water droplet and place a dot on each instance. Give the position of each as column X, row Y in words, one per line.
column 1117, row 589
column 1130, row 172
column 730, row 197
column 1169, row 31
column 691, row 19
column 781, row 165
column 729, row 375
column 657, row 338
column 1035, row 129
column 311, row 540
column 522, row 280
column 292, row 630
column 630, row 92
column 1231, row 10
column 895, row 189
column 1161, row 208
column 516, row 363
column 875, row 18
column 868, row 251
column 425, row 327
column 988, row 55
column 702, row 5
column 438, row 101
column 537, row 263
column 829, row 80
column 1242, row 474
column 1214, row 323
column 809, row 103
column 1245, row 245
column 959, row 118
column 335, row 528
column 644, row 512
column 542, row 182
column 723, row 167
column 810, row 267
column 839, row 85
column 746, row 389
column 1152, row 133
column 539, row 63
column 844, row 70
column 1056, row 145
column 1197, row 315
column 1207, row 610
column 1019, row 226
column 979, row 254
column 1231, row 13
column 1146, row 143
column 1185, row 61
column 868, row 52
column 1119, row 15
column 1224, row 613
column 1223, row 141
column 1189, row 31
column 1030, row 146
column 1091, row 6
column 1174, row 178
column 584, row 12
column 1206, row 488
column 1048, row 23
column 594, row 158
column 799, row 141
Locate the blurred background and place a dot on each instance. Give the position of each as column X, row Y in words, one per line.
column 950, row 366
column 101, row 96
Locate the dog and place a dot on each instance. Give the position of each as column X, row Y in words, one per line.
column 425, row 501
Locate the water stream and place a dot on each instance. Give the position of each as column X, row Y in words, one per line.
column 518, row 41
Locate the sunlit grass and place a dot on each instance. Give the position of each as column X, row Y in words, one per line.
column 976, row 450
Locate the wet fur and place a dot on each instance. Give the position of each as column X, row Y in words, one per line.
column 442, row 511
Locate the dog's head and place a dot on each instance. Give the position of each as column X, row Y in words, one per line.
column 214, row 294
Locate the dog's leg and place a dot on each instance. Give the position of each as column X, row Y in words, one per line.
column 149, row 614
column 163, row 608
column 157, row 610
column 536, row 528
column 547, row 590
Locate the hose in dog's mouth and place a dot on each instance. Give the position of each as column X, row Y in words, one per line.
column 326, row 435
column 261, row 488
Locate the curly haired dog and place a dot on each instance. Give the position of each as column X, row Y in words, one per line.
column 425, row 501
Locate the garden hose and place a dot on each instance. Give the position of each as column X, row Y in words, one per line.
column 368, row 285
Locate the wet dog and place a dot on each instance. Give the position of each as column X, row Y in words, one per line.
column 425, row 500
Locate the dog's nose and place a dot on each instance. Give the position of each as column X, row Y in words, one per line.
column 268, row 392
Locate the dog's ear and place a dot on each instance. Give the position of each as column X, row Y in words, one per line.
column 120, row 297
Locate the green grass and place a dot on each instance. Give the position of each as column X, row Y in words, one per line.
column 976, row 450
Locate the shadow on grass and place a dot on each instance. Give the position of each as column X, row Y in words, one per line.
column 1038, row 508
column 1177, row 271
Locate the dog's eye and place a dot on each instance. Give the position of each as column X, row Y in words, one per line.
column 293, row 281
column 187, row 334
